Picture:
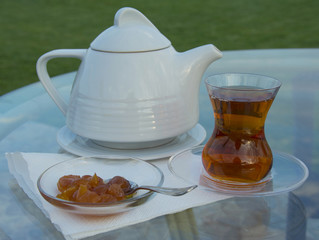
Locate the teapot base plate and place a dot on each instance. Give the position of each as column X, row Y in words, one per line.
column 133, row 145
column 81, row 146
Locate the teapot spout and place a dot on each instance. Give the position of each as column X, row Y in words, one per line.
column 198, row 59
column 191, row 67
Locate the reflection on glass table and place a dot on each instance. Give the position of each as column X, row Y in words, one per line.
column 291, row 127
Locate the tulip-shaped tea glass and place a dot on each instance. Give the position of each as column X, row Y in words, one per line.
column 238, row 150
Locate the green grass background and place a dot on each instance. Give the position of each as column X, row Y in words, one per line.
column 30, row 28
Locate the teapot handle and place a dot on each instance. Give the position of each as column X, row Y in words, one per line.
column 45, row 78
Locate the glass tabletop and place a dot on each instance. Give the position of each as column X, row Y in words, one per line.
column 292, row 126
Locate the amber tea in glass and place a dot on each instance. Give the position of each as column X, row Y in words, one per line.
column 238, row 150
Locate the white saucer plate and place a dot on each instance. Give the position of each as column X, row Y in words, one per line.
column 81, row 146
column 287, row 174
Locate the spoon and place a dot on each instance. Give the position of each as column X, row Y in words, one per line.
column 162, row 190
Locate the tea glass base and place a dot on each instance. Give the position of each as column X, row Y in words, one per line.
column 232, row 186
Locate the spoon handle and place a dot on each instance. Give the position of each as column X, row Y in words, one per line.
column 168, row 191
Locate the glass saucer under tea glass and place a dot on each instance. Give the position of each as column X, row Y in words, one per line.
column 287, row 174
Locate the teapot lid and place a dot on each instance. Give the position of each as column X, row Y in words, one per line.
column 131, row 32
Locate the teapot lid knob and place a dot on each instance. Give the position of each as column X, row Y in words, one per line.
column 131, row 32
column 130, row 16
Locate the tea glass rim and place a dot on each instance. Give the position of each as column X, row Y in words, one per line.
column 276, row 81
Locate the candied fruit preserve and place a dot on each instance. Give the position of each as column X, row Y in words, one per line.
column 92, row 189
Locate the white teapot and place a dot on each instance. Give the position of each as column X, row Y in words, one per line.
column 132, row 88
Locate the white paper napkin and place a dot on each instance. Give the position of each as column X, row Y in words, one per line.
column 27, row 167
